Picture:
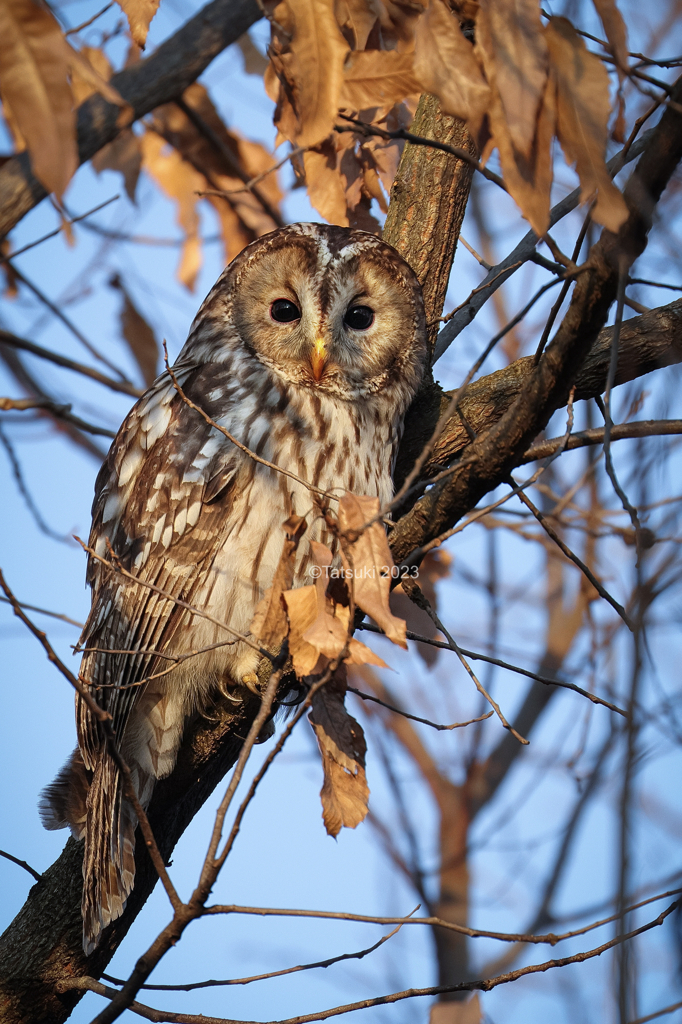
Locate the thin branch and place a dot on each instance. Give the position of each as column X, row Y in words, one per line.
column 232, row 163
column 363, row 128
column 658, row 1013
column 26, row 494
column 619, row 432
column 655, row 284
column 523, row 252
column 483, row 985
column 415, row 593
column 415, row 718
column 44, row 611
column 59, row 411
column 6, row 338
column 86, row 24
column 69, row 324
column 476, row 656
column 547, row 939
column 191, row 986
column 248, row 185
column 551, row 532
column 22, row 864
column 63, row 226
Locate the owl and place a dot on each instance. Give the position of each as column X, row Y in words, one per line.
column 308, row 351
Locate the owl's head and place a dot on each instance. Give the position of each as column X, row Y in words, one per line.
column 322, row 307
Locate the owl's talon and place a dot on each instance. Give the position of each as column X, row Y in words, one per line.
column 250, row 681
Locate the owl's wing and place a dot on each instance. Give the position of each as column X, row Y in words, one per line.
column 161, row 498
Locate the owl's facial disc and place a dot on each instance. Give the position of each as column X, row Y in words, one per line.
column 344, row 321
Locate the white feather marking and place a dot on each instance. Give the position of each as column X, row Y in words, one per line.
column 158, row 529
column 167, row 534
column 129, row 466
column 112, row 507
column 143, row 555
column 209, row 448
column 193, row 513
column 156, row 422
column 180, row 521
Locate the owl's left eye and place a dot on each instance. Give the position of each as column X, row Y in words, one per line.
column 284, row 311
column 359, row 318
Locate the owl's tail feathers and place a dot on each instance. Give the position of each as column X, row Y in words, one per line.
column 109, row 856
column 92, row 805
column 64, row 802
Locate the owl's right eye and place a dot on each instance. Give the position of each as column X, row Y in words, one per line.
column 284, row 311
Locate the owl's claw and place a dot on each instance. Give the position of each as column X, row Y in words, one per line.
column 250, row 681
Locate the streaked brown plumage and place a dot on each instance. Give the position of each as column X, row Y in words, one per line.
column 184, row 509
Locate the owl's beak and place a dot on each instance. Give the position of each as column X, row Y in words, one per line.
column 318, row 358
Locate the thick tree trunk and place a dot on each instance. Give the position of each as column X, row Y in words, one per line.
column 428, row 202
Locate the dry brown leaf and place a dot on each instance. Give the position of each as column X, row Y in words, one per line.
column 10, row 290
column 617, row 35
column 377, row 78
column 529, row 181
column 318, row 52
column 356, row 19
column 236, row 236
column 583, row 108
column 254, row 61
column 342, row 745
column 515, row 54
column 319, row 627
column 13, row 127
column 345, row 796
column 399, row 19
column 445, row 65
column 435, row 566
column 616, row 32
column 325, row 187
column 302, row 611
column 123, row 155
column 90, row 73
column 34, row 68
column 139, row 14
column 138, row 334
column 369, row 557
column 241, row 214
column 180, row 182
column 269, row 623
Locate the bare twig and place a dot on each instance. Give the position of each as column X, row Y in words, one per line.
column 415, row 718
column 363, row 128
column 477, row 656
column 22, row 864
column 6, row 338
column 62, row 226
column 192, row 986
